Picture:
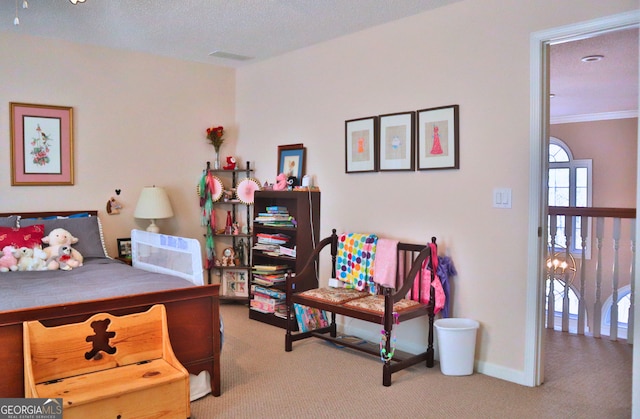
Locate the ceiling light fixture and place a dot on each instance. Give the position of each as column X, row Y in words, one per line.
column 77, row 1
column 591, row 58
column 16, row 20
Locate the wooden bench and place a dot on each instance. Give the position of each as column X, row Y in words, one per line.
column 389, row 307
column 107, row 367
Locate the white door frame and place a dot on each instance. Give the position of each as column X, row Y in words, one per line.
column 534, row 348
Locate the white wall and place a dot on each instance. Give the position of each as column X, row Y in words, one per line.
column 471, row 53
column 139, row 120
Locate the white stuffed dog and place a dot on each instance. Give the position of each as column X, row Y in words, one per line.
column 63, row 258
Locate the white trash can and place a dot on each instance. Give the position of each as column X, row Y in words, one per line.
column 456, row 345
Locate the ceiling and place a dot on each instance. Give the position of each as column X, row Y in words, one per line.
column 259, row 29
column 609, row 86
column 192, row 29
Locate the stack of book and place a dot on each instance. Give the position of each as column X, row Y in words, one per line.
column 276, row 216
column 268, row 300
column 310, row 318
column 268, row 275
column 271, row 244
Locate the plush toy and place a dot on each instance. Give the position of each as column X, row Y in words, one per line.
column 30, row 259
column 281, row 182
column 291, row 182
column 63, row 258
column 57, row 238
column 231, row 163
column 8, row 261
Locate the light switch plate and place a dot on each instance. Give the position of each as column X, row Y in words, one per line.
column 502, row 197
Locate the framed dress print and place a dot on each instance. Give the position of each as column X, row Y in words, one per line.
column 361, row 145
column 438, row 142
column 397, row 141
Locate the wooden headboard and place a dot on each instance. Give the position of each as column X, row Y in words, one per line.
column 47, row 213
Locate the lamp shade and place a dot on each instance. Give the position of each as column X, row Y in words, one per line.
column 153, row 204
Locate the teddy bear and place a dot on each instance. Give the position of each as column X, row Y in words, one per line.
column 63, row 258
column 231, row 163
column 57, row 238
column 8, row 261
column 281, row 183
column 30, row 259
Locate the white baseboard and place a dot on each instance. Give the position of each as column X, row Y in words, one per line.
column 417, row 330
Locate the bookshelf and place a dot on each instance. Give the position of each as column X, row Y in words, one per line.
column 296, row 226
column 231, row 266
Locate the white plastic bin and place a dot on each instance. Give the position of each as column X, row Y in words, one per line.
column 456, row 345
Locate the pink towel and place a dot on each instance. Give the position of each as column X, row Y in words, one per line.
column 386, row 262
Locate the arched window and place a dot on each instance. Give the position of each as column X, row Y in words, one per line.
column 570, row 185
column 624, row 302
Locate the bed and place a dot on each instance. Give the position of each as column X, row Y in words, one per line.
column 102, row 285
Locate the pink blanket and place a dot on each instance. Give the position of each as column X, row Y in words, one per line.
column 386, row 263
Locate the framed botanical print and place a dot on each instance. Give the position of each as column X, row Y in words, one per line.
column 361, row 145
column 41, row 145
column 438, row 138
column 397, row 141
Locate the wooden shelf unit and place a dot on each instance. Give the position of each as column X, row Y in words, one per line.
column 230, row 240
column 304, row 207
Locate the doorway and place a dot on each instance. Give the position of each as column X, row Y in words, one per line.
column 540, row 119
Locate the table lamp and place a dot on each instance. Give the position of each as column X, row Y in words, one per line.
column 153, row 204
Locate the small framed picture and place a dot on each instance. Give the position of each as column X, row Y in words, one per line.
column 397, row 141
column 291, row 160
column 361, row 145
column 41, row 145
column 124, row 248
column 235, row 283
column 438, row 142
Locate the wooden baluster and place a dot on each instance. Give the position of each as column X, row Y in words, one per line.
column 566, row 273
column 597, row 307
column 632, row 279
column 613, row 330
column 582, row 309
column 551, row 301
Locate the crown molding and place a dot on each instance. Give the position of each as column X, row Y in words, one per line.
column 603, row 116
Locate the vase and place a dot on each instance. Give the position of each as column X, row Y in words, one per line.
column 216, row 162
column 228, row 228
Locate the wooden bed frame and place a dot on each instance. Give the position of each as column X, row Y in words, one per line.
column 409, row 259
column 193, row 319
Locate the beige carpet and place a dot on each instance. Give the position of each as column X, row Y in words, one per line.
column 586, row 378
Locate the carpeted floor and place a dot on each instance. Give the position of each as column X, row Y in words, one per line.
column 585, row 378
